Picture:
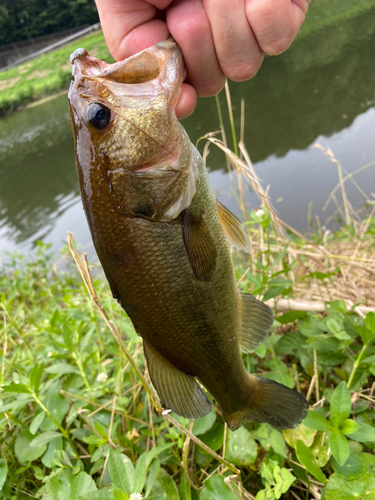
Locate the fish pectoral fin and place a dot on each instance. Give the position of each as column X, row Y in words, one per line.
column 233, row 228
column 177, row 390
column 199, row 245
column 256, row 319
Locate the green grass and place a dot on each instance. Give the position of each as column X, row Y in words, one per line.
column 46, row 75
column 75, row 418
column 50, row 73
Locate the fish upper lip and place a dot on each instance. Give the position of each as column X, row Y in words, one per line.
column 83, row 63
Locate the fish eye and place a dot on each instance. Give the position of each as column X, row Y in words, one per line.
column 98, row 115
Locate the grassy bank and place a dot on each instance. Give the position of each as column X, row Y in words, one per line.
column 50, row 73
column 46, row 75
column 79, row 420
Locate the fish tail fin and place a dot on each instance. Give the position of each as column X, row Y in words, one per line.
column 272, row 403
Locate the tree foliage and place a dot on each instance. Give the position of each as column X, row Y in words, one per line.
column 24, row 18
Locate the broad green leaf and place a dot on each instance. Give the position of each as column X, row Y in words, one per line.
column 204, row 424
column 214, row 437
column 301, row 432
column 284, row 479
column 35, row 376
column 349, row 426
column 339, row 488
column 164, row 487
column 335, row 328
column 280, row 373
column 143, row 464
column 152, row 475
column 93, row 439
column 57, row 405
column 365, row 334
column 24, row 452
column 342, row 335
column 369, row 461
column 80, row 484
column 104, row 494
column 272, row 292
column 3, row 474
column 266, row 494
column 184, row 488
column 121, row 470
column 119, row 494
column 101, row 429
column 340, row 403
column 314, row 420
column 290, row 316
column 370, row 322
column 306, row 457
column 370, row 360
column 365, row 434
column 34, row 426
column 241, row 448
column 61, row 368
column 339, row 447
column 353, row 468
column 44, row 438
column 54, row 486
column 336, row 305
column 53, row 447
column 19, row 388
column 216, row 489
column 320, row 449
column 269, row 437
column 68, row 338
column 360, row 406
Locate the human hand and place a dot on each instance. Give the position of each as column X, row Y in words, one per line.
column 219, row 39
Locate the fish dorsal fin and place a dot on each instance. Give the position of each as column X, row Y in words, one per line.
column 233, row 228
column 199, row 245
column 256, row 319
column 177, row 390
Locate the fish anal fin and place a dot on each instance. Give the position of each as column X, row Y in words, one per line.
column 255, row 321
column 177, row 390
column 233, row 228
column 199, row 245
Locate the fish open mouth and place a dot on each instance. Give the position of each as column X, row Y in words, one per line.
column 140, row 68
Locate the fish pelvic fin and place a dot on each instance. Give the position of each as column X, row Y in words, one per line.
column 177, row 390
column 256, row 320
column 272, row 403
column 233, row 228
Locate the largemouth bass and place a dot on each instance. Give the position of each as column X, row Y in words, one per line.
column 162, row 239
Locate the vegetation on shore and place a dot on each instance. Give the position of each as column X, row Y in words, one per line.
column 50, row 73
column 79, row 418
column 46, row 75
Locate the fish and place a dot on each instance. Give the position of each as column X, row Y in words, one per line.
column 163, row 240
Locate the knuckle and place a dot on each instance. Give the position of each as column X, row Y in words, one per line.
column 278, row 46
column 211, row 87
column 191, row 28
column 241, row 71
column 274, row 32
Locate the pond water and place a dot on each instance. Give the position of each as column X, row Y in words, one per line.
column 322, row 90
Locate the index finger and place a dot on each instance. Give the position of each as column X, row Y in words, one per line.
column 130, row 26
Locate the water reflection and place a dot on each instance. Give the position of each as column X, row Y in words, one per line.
column 312, row 92
column 38, row 178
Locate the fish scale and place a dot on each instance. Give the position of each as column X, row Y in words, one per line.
column 162, row 240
